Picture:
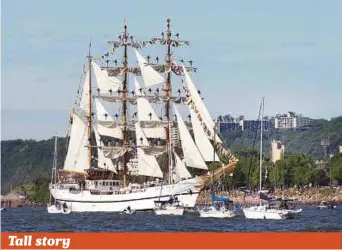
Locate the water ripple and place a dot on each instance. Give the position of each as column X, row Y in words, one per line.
column 36, row 219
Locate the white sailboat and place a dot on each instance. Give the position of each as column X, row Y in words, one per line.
column 172, row 206
column 56, row 208
column 114, row 163
column 221, row 207
column 264, row 211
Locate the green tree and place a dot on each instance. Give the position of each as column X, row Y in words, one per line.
column 336, row 167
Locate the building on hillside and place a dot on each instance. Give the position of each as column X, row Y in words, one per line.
column 340, row 149
column 254, row 125
column 290, row 120
column 228, row 126
column 277, row 151
column 12, row 200
column 228, row 123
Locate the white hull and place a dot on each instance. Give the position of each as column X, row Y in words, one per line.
column 169, row 211
column 262, row 212
column 214, row 213
column 128, row 212
column 326, row 207
column 217, row 214
column 294, row 212
column 84, row 201
column 52, row 209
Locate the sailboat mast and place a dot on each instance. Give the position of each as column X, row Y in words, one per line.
column 54, row 168
column 261, row 132
column 124, row 104
column 89, row 109
column 214, row 141
column 170, row 155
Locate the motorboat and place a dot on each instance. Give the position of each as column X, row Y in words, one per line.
column 128, row 210
column 169, row 207
column 58, row 209
column 326, row 205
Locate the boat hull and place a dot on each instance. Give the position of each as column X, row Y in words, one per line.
column 54, row 210
column 186, row 191
column 268, row 214
column 217, row 214
column 169, row 211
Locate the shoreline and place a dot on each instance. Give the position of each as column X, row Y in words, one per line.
column 310, row 196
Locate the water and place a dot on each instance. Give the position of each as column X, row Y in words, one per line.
column 37, row 219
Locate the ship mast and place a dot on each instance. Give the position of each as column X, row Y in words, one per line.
column 89, row 109
column 170, row 67
column 168, row 80
column 167, row 103
column 125, row 41
column 124, row 104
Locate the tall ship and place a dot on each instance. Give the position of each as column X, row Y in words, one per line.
column 128, row 144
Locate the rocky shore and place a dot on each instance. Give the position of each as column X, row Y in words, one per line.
column 308, row 196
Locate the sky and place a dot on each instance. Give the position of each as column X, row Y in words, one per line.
column 287, row 51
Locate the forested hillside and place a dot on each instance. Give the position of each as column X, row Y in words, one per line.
column 307, row 141
column 28, row 161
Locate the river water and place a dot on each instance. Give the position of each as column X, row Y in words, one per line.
column 37, row 219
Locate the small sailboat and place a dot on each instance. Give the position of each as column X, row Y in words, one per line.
column 266, row 210
column 221, row 207
column 170, row 207
column 56, row 207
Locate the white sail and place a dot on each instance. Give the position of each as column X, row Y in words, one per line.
column 199, row 104
column 105, row 82
column 192, row 156
column 84, row 102
column 147, row 164
column 102, row 161
column 77, row 155
column 149, row 75
column 104, row 117
column 201, row 139
column 181, row 170
column 146, row 114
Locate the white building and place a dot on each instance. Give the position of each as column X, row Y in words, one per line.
column 340, row 149
column 277, row 150
column 290, row 120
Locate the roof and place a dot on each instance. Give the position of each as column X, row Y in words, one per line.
column 11, row 196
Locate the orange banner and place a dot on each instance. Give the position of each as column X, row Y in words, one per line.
column 171, row 240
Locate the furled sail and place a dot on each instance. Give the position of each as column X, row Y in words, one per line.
column 104, row 82
column 147, row 164
column 201, row 139
column 192, row 156
column 199, row 106
column 180, row 169
column 149, row 75
column 106, row 125
column 102, row 161
column 77, row 156
column 150, row 123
